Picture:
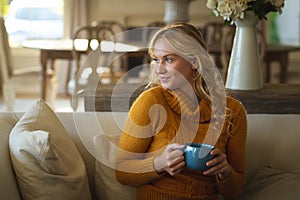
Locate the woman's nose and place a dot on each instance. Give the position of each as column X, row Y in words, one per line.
column 160, row 68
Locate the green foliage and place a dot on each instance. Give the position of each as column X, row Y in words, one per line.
column 273, row 33
column 261, row 8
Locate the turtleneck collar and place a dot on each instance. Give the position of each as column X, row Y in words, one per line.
column 181, row 104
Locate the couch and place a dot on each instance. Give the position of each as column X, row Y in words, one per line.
column 273, row 166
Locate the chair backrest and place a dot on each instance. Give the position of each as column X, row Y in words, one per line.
column 219, row 39
column 6, row 65
column 225, row 48
column 261, row 39
column 115, row 26
column 91, row 36
column 213, row 32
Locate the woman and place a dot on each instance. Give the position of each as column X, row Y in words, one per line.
column 187, row 103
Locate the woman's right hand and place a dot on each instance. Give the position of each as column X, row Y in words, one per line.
column 171, row 160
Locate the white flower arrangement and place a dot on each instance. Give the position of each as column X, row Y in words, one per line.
column 231, row 10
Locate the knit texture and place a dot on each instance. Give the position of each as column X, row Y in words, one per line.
column 159, row 117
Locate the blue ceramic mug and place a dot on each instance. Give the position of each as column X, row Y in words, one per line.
column 197, row 155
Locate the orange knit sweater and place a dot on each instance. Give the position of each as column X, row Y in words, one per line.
column 157, row 119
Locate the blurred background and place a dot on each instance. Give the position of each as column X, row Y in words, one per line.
column 58, row 19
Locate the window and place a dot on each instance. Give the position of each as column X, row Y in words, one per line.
column 39, row 13
column 34, row 19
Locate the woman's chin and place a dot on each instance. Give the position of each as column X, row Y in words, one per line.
column 165, row 86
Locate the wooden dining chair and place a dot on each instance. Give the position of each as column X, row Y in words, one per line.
column 119, row 31
column 94, row 65
column 114, row 27
column 219, row 39
column 226, row 45
column 9, row 75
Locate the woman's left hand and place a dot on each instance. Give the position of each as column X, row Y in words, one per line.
column 218, row 165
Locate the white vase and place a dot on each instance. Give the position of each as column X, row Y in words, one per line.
column 176, row 11
column 244, row 72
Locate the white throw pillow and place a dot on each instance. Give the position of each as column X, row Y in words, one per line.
column 107, row 187
column 45, row 159
column 270, row 183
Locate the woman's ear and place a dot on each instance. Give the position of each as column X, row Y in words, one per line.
column 194, row 64
column 193, row 61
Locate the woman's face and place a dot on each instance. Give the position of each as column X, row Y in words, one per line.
column 174, row 71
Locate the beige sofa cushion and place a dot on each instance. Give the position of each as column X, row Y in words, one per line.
column 269, row 183
column 8, row 180
column 107, row 187
column 46, row 162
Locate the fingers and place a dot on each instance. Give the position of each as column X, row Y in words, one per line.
column 171, row 160
column 218, row 165
column 176, row 167
column 175, row 146
column 175, row 160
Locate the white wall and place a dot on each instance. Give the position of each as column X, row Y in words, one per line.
column 289, row 23
column 141, row 12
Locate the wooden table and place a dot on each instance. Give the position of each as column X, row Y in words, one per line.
column 274, row 53
column 280, row 54
column 62, row 49
column 272, row 99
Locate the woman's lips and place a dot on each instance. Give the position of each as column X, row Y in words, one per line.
column 164, row 79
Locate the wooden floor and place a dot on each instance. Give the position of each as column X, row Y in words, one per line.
column 62, row 103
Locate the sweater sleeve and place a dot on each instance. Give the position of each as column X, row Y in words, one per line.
column 134, row 164
column 236, row 153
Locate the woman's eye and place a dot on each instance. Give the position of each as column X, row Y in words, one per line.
column 169, row 60
column 156, row 60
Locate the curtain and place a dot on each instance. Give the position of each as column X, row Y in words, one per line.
column 75, row 15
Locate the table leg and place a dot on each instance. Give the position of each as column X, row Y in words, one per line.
column 268, row 71
column 283, row 67
column 69, row 71
column 280, row 57
column 44, row 59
